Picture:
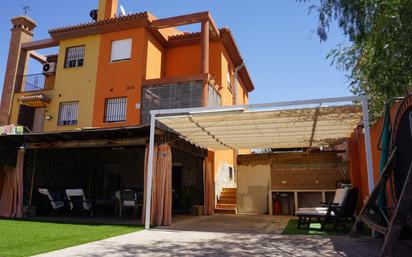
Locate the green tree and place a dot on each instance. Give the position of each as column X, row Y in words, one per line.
column 379, row 57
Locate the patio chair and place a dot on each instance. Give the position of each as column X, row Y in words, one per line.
column 56, row 204
column 127, row 199
column 78, row 202
column 339, row 214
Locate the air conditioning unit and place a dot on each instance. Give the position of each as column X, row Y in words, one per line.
column 49, row 68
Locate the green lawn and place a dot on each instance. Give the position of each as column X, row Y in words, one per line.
column 25, row 238
column 291, row 229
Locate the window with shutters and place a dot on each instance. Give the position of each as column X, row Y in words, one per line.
column 121, row 50
column 74, row 57
column 115, row 109
column 68, row 114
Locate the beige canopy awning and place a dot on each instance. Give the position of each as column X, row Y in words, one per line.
column 284, row 128
column 302, row 123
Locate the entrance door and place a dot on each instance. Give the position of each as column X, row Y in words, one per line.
column 26, row 116
column 38, row 121
column 32, row 118
column 176, row 188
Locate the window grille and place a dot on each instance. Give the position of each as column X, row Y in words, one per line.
column 68, row 113
column 169, row 96
column 214, row 98
column 74, row 57
column 115, row 109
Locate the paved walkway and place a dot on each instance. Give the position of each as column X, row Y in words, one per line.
column 229, row 223
column 190, row 243
column 225, row 235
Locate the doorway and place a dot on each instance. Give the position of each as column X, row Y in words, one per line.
column 32, row 118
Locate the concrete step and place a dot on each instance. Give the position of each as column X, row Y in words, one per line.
column 228, row 194
column 225, row 211
column 226, row 206
column 228, row 197
column 232, row 190
column 229, row 200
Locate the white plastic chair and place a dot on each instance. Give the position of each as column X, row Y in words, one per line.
column 55, row 204
column 78, row 201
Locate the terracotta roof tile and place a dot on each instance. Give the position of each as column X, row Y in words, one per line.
column 100, row 22
column 185, row 35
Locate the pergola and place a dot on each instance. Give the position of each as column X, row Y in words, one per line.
column 305, row 123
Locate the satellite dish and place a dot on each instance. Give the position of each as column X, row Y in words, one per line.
column 93, row 14
column 122, row 11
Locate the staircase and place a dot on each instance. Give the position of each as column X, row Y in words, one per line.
column 227, row 202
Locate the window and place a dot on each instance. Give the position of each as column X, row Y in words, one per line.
column 68, row 113
column 214, row 98
column 121, row 50
column 229, row 79
column 74, row 57
column 115, row 109
column 230, row 173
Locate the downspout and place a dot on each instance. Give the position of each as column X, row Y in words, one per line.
column 237, row 69
column 235, row 102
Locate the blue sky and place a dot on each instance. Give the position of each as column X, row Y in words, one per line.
column 276, row 38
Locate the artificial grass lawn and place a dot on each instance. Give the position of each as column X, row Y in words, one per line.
column 24, row 238
column 292, row 229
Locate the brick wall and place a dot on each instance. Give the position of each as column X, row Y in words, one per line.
column 17, row 63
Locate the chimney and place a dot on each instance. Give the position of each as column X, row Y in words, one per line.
column 17, row 61
column 107, row 9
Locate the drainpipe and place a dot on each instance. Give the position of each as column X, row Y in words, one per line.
column 237, row 69
column 236, row 152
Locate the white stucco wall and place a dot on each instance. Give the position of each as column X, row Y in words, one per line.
column 222, row 178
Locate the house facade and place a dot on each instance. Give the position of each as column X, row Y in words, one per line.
column 112, row 71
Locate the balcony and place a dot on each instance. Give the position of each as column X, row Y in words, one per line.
column 37, row 82
column 178, row 92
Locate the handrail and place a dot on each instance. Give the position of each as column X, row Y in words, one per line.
column 33, row 82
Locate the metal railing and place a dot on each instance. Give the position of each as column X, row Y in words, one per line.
column 33, row 82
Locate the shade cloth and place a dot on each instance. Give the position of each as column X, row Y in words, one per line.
column 281, row 128
column 11, row 200
column 161, row 207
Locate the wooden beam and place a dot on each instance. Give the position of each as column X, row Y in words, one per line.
column 204, row 34
column 204, row 44
column 38, row 57
column 39, row 44
column 87, row 143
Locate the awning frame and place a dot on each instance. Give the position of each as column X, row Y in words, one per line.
column 154, row 114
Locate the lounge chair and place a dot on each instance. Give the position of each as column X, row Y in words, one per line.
column 78, row 202
column 340, row 195
column 55, row 203
column 332, row 212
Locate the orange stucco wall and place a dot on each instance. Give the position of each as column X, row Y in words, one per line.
column 185, row 60
column 182, row 60
column 119, row 79
column 155, row 59
column 357, row 157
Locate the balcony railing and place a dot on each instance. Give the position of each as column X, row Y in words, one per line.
column 33, row 82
